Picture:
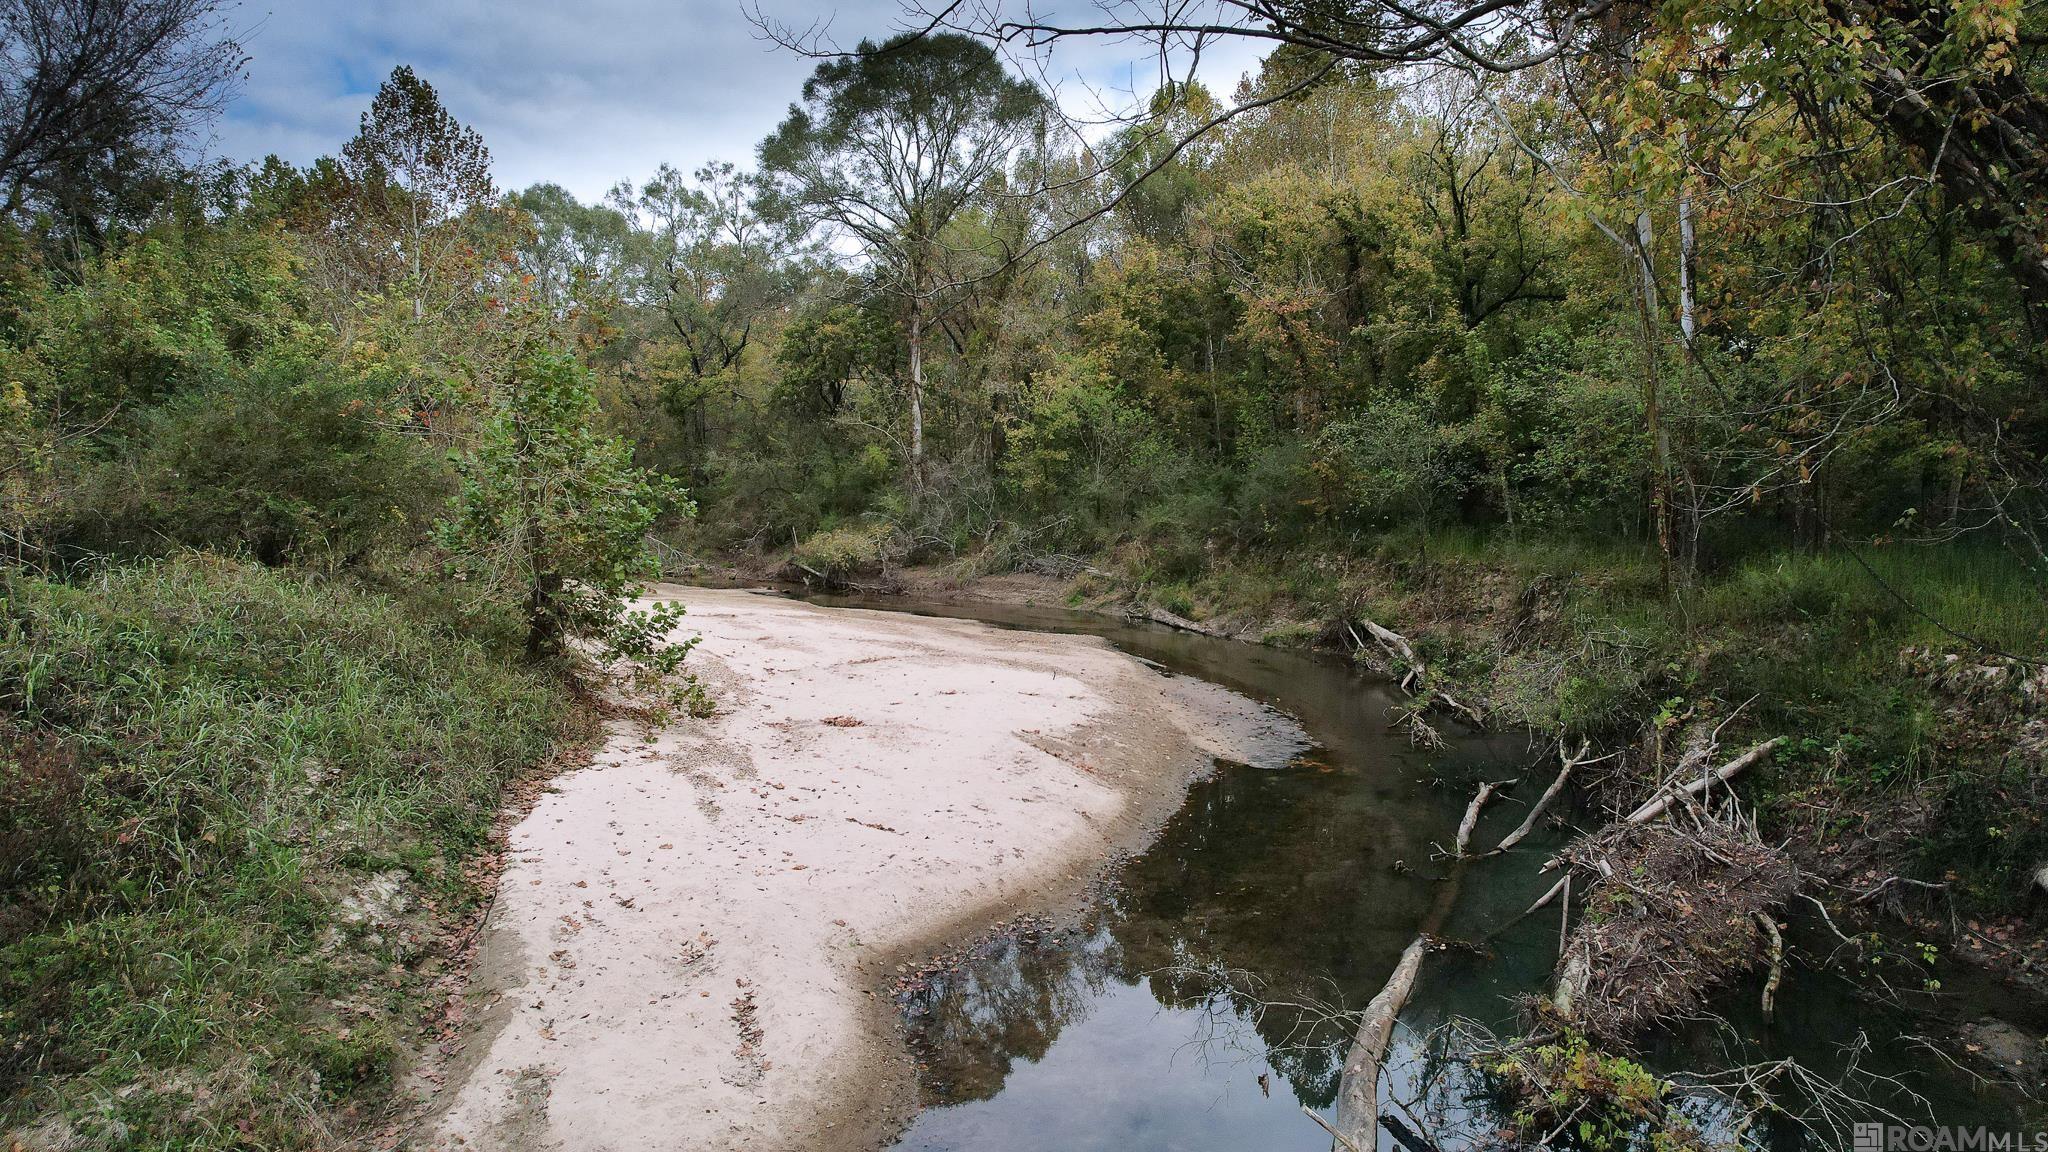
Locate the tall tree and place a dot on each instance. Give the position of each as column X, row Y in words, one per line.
column 709, row 270
column 415, row 170
column 887, row 148
column 95, row 93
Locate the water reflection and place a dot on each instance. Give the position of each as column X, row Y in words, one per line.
column 1190, row 1007
column 1193, row 1006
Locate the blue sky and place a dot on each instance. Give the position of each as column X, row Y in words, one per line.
column 583, row 94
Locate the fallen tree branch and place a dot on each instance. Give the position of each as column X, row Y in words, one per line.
column 1547, row 897
column 1776, row 955
column 1358, row 1094
column 1471, row 820
column 1396, row 645
column 1416, row 673
column 1543, row 802
column 1325, row 1126
column 1658, row 804
column 1173, row 620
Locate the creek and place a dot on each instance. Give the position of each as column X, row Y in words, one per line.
column 1188, row 1004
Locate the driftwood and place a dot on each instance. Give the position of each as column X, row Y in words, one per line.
column 1574, row 970
column 1564, row 917
column 1658, row 804
column 1676, row 911
column 1776, row 955
column 1358, row 1094
column 1416, row 673
column 1543, row 802
column 1172, row 620
column 1664, row 798
column 1547, row 897
column 1471, row 820
column 1397, row 646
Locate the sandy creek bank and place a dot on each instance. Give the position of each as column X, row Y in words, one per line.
column 687, row 948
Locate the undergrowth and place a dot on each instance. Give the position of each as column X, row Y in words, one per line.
column 1566, row 635
column 239, row 801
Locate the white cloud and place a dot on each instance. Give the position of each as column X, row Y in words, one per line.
column 582, row 94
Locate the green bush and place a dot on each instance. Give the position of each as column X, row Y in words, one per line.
column 284, row 463
column 839, row 554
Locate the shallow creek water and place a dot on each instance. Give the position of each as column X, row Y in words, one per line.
column 1185, row 1006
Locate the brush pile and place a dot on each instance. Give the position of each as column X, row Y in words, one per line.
column 1673, row 912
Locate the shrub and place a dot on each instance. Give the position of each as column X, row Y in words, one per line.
column 286, row 463
column 838, row 554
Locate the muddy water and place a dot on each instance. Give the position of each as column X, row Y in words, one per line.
column 1189, row 1005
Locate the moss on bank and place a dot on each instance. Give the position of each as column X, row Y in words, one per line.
column 239, row 804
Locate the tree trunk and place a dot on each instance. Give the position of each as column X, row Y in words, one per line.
column 916, row 395
column 1653, row 419
column 541, row 632
column 1686, row 321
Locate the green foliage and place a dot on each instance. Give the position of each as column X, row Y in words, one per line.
column 838, row 554
column 286, row 462
column 553, row 517
column 204, row 759
column 1596, row 1101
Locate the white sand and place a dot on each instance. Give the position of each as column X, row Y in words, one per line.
column 689, row 944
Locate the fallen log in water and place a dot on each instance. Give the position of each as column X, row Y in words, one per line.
column 1174, row 620
column 1776, row 956
column 1528, row 825
column 1415, row 672
column 1358, row 1093
column 1395, row 645
column 1471, row 820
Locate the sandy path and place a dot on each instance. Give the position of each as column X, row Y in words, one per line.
column 686, row 948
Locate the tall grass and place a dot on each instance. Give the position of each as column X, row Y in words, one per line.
column 201, row 758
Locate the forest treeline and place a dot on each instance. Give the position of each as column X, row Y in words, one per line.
column 1678, row 373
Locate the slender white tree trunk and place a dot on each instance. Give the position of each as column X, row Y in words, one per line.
column 916, row 394
column 1686, row 322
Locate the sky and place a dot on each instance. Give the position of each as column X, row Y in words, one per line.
column 582, row 93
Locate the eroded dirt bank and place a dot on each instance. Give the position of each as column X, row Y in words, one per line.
column 686, row 948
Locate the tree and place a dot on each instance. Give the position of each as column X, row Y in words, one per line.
column 414, row 171
column 1957, row 82
column 554, row 516
column 94, row 91
column 575, row 252
column 710, row 271
column 888, row 147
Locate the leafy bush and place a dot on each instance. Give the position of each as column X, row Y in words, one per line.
column 288, row 463
column 838, row 554
column 553, row 516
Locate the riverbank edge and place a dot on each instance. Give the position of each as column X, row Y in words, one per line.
column 1886, row 851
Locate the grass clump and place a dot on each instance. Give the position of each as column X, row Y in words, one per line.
column 239, row 801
